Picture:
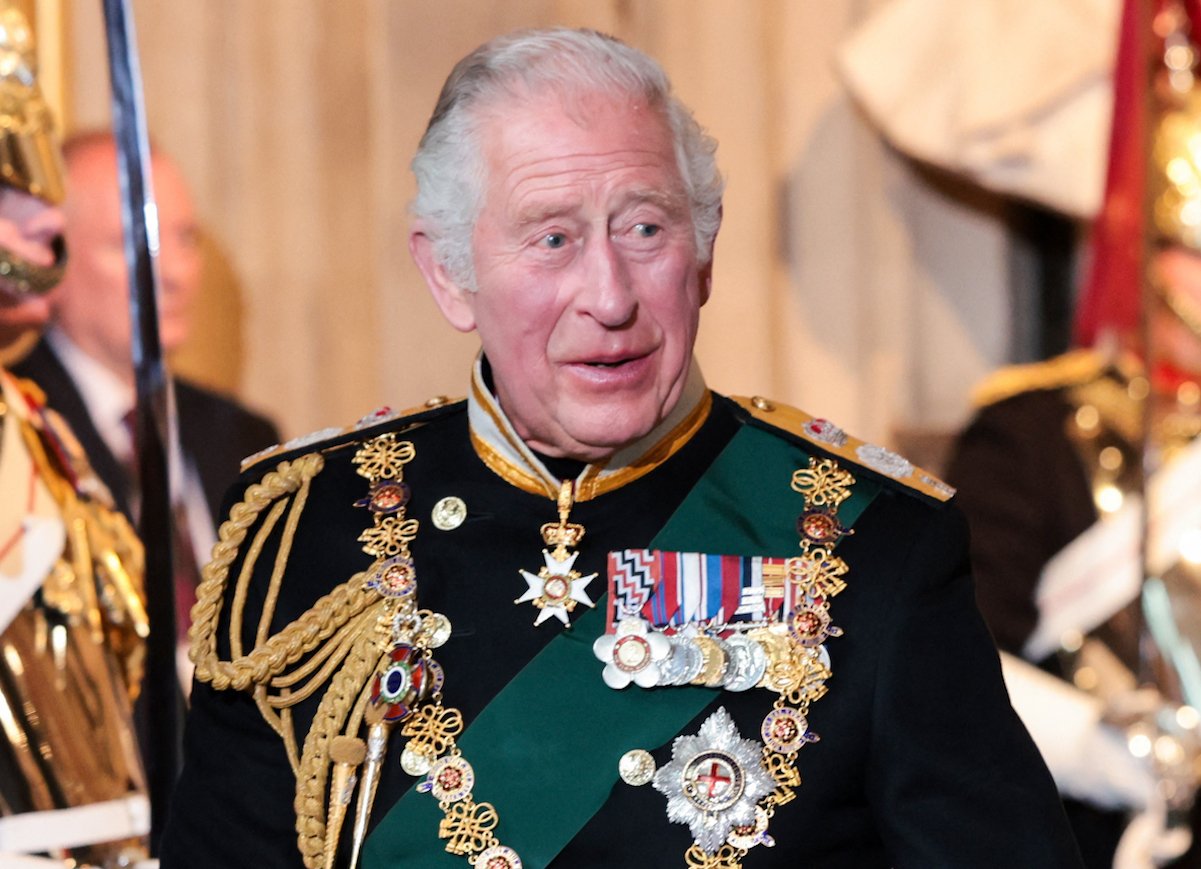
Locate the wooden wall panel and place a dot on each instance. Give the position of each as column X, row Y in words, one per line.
column 840, row 274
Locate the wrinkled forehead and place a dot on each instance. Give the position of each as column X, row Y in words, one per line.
column 552, row 148
column 554, row 116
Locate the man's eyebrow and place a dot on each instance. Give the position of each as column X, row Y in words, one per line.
column 671, row 202
column 536, row 213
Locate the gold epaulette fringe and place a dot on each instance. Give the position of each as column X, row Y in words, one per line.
column 1070, row 369
column 833, row 440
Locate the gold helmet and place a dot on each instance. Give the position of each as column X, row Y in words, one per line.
column 30, row 157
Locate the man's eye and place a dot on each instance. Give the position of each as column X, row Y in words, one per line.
column 554, row 240
column 647, row 230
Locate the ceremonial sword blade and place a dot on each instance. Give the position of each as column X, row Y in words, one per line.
column 153, row 424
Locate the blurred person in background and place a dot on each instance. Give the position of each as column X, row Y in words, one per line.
column 83, row 361
column 1060, row 457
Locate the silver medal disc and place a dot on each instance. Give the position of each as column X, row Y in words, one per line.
column 449, row 513
column 739, row 661
column 693, row 661
column 415, row 762
column 751, row 663
column 436, row 627
column 672, row 667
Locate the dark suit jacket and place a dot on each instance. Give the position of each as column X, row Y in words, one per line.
column 921, row 763
column 215, row 432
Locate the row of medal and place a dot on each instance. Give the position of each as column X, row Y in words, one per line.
column 765, row 655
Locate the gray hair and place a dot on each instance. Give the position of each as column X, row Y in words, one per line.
column 449, row 166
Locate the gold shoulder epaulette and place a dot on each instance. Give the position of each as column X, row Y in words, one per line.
column 334, row 433
column 832, row 439
column 1070, row 369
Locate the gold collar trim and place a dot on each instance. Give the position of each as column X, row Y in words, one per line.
column 498, row 445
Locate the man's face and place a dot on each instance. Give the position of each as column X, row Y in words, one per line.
column 28, row 228
column 589, row 283
column 92, row 303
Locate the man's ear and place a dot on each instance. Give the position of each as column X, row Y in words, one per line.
column 706, row 272
column 455, row 301
column 706, row 280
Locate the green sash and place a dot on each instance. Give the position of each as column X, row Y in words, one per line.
column 545, row 750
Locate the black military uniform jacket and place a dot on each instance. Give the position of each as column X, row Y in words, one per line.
column 921, row 761
column 1023, row 485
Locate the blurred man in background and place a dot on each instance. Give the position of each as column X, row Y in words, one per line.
column 83, row 362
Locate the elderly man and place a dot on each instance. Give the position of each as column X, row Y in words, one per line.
column 71, row 619
column 595, row 615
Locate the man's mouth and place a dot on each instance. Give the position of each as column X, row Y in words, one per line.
column 614, row 361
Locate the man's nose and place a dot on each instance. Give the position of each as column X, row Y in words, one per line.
column 607, row 293
column 176, row 265
column 168, row 272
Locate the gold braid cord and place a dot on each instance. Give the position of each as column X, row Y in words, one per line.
column 351, row 623
column 302, row 636
column 344, row 691
column 365, row 644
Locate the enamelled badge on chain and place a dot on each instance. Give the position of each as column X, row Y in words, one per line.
column 407, row 686
column 731, row 622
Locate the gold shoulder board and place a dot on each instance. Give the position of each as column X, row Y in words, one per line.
column 830, row 438
column 1070, row 369
column 334, row 433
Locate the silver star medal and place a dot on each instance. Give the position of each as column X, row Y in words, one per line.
column 714, row 781
column 557, row 587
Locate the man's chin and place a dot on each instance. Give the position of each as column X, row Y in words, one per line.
column 595, row 440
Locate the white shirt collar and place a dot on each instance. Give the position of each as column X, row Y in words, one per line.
column 109, row 401
column 108, row 398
